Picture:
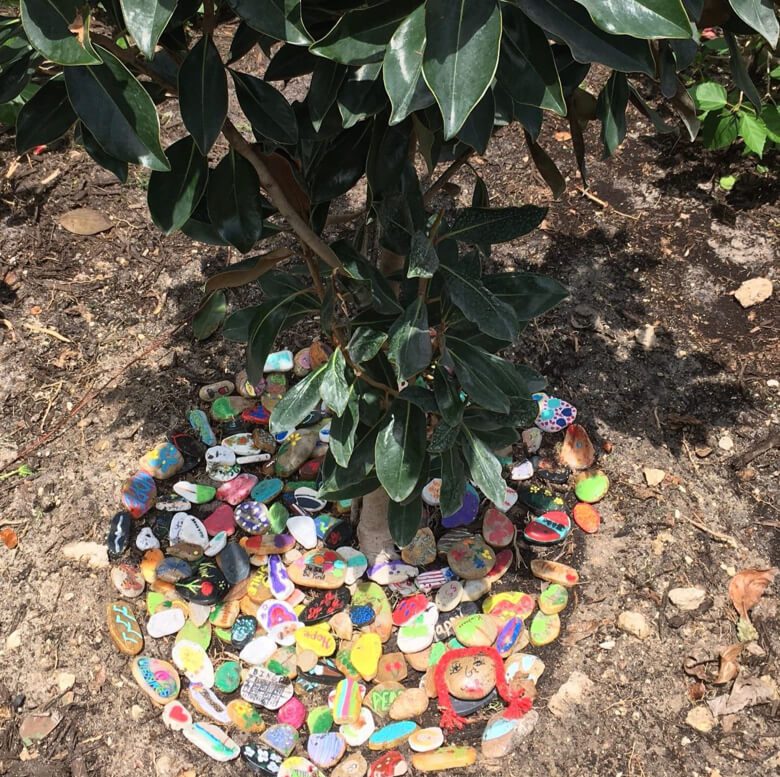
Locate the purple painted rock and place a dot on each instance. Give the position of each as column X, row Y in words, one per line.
column 139, row 494
column 326, row 750
column 467, row 512
column 237, row 490
column 278, row 580
column 252, row 517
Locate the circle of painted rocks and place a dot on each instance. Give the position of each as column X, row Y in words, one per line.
column 471, row 677
column 426, row 739
column 392, row 735
column 476, row 630
column 471, row 558
column 544, row 628
column 591, row 486
column 467, row 511
column 548, row 529
column 326, row 750
column 158, row 679
column 587, row 517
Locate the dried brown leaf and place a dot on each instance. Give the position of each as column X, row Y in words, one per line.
column 748, row 586
column 729, row 665
column 84, row 221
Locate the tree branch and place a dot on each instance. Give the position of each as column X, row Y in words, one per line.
column 446, row 175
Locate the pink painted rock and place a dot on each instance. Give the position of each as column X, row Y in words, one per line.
column 292, row 712
column 237, row 490
column 221, row 520
column 497, row 529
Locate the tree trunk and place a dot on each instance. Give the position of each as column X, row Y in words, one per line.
column 373, row 532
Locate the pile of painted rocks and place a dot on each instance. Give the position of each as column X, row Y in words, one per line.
column 298, row 653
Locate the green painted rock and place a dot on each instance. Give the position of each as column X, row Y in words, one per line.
column 553, row 599
column 591, row 486
column 544, row 629
column 228, row 676
column 200, row 635
column 225, row 408
column 277, row 517
column 319, row 720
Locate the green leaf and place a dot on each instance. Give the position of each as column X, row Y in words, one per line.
column 770, row 115
column 447, row 397
column 247, row 270
column 443, row 438
column 297, row 403
column 116, row 166
column 335, row 389
column 727, row 182
column 361, row 463
column 409, row 344
column 146, row 20
column 453, row 481
column 174, row 195
column 281, row 19
column 423, row 259
column 403, row 520
column 209, row 315
column 530, row 295
column 719, row 131
column 234, row 201
column 359, row 268
column 365, row 344
column 267, row 110
column 611, row 110
column 740, row 72
column 709, row 96
column 344, row 427
column 47, row 24
column 546, row 167
column 360, row 36
column 15, row 77
column 461, row 55
column 484, row 467
column 400, row 449
column 117, row 110
column 753, row 132
column 648, row 19
column 473, row 368
column 402, row 67
column 480, row 226
column 760, row 15
column 263, row 329
column 238, row 323
column 203, row 94
column 46, row 116
column 361, row 94
column 570, row 22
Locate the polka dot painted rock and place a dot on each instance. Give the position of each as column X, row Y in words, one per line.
column 497, row 529
column 587, row 517
column 281, row 737
column 138, row 494
column 252, row 517
column 471, row 558
column 156, row 678
column 162, row 462
column 554, row 414
column 409, row 608
column 591, row 486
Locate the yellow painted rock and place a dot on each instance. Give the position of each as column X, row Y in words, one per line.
column 317, row 639
column 554, row 599
column 451, row 757
column 365, row 655
column 373, row 595
column 508, row 604
column 245, row 716
column 259, row 589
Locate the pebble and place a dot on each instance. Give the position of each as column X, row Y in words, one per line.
column 303, row 529
column 227, row 677
column 237, row 490
column 449, row 596
column 346, row 702
column 138, row 494
column 539, row 499
column 175, row 716
column 450, row 757
column 532, row 439
column 381, row 697
column 574, row 692
column 587, row 517
column 634, row 623
column 471, row 558
column 281, row 737
column 326, row 750
column 389, row 764
column 554, row 572
column 357, row 733
column 577, row 450
column 544, row 628
column 418, row 633
column 221, row 520
column 213, row 741
column 509, row 635
column 118, row 540
column 127, row 579
column 317, row 639
column 421, row 551
column 162, row 462
column 212, row 391
column 506, row 604
column 199, row 421
column 354, row 765
column 687, row 598
column 591, row 486
column 261, row 759
column 411, row 703
column 392, row 735
column 257, row 651
column 391, row 571
column 473, row 590
column 196, row 493
column 191, row 659
column 554, row 414
column 426, row 739
column 294, row 451
column 470, row 678
column 216, row 544
column 187, row 529
column 497, row 530
column 431, row 492
column 234, row 563
column 554, row 599
column 476, row 630
column 145, row 540
column 356, row 563
column 522, row 470
column 548, row 529
column 165, row 622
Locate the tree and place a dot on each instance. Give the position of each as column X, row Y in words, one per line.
column 414, row 381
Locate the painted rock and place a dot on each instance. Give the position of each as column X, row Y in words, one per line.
column 196, row 493
column 554, row 599
column 302, row 363
column 165, row 622
column 162, row 462
column 252, row 517
column 326, row 750
column 391, row 666
column 448, row 597
column 172, row 570
column 381, row 697
column 281, row 737
column 421, row 551
column 554, row 572
column 591, row 486
column 189, row 529
column 186, row 551
column 296, row 449
column 357, row 733
column 199, row 421
column 292, row 712
column 467, row 512
column 445, row 624
column 175, row 716
column 128, row 580
column 341, row 625
column 318, row 569
column 362, row 615
column 245, row 716
column 418, row 633
column 434, row 579
column 498, row 737
column 310, row 469
column 532, row 439
column 221, row 520
column 268, row 544
column 275, row 387
column 145, row 540
column 548, row 529
column 279, row 361
column 265, row 689
column 497, row 529
column 246, row 388
column 225, row 408
column 410, row 704
column 242, row 631
column 242, row 444
column 324, row 605
column 236, row 490
column 307, row 500
column 509, row 636
column 118, row 540
column 264, row 441
column 389, row 764
column 374, row 596
column 577, row 450
column 158, row 679
column 234, row 563
column 522, row 470
column 317, row 638
column 273, row 613
column 224, row 614
column 319, row 720
column 261, row 759
column 267, row 490
column 278, row 580
column 216, row 545
column 256, row 415
column 346, row 702
column 431, row 493
column 539, row 499
column 392, row 735
column 207, row 586
column 548, row 470
column 340, row 533
column 123, row 629
column 554, row 414
column 544, row 629
column 212, row 391
column 207, row 703
column 257, row 651
column 471, row 558
column 476, row 630
column 426, row 739
column 213, row 741
column 138, row 494
column 278, row 517
column 450, row 757
column 354, row 765
column 507, row 604
column 283, row 662
column 466, row 707
column 473, row 590
column 409, row 608
column 296, row 766
column 365, row 655
column 227, row 677
column 587, row 517
column 356, row 563
column 508, row 502
column 470, row 678
column 302, row 527
column 191, row 659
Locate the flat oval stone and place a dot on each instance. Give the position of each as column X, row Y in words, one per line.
column 123, row 628
column 173, row 569
column 317, row 639
column 539, row 499
column 257, row 651
column 227, row 677
column 410, row 704
column 296, row 449
column 476, row 630
column 340, row 533
column 553, row 599
column 281, row 737
column 374, row 596
column 324, row 605
column 221, row 520
column 354, row 765
column 392, row 735
column 391, row 571
column 224, row 614
column 220, row 454
column 471, row 677
column 507, row 604
column 199, row 421
column 158, row 679
column 265, row 689
column 207, row 586
column 409, row 608
column 189, row 529
column 261, row 759
column 237, row 490
column 497, row 529
column 389, row 764
column 326, row 750
column 268, row 544
column 318, row 569
column 128, row 580
column 319, row 720
column 213, row 391
column 587, row 517
column 278, row 580
column 145, row 540
column 196, row 493
column 365, row 655
column 508, row 502
column 467, row 511
column 302, row 363
column 450, row 757
column 216, row 545
column 213, row 741
column 267, row 490
column 421, row 551
column 554, row 572
column 245, row 716
column 292, row 712
column 356, row 562
column 193, row 660
column 165, row 622
column 252, row 517
column 391, row 666
column 278, row 517
column 591, row 486
column 471, row 558
column 357, row 734
column 346, row 703
column 426, row 739
column 418, row 633
column 508, row 636
column 234, row 563
column 272, row 613
column 207, row 703
column 544, row 629
column 138, row 494
column 162, row 462
column 381, row 697
column 554, row 414
column 474, row 590
column 448, row 597
column 302, row 527
column 548, row 529
column 522, row 470
column 118, row 540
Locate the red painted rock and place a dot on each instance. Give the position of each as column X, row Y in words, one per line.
column 237, row 490
column 391, row 764
column 292, row 712
column 497, row 529
column 220, row 520
column 309, row 469
column 587, row 517
column 408, row 608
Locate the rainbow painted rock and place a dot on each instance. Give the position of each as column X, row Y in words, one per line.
column 158, row 679
column 138, row 494
column 318, row 569
column 346, row 702
column 554, row 414
column 508, row 636
column 162, row 462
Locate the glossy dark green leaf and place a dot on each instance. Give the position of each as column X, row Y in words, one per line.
column 453, row 481
column 335, row 389
column 480, row 226
column 92, row 147
column 173, row 196
column 361, row 94
column 117, row 110
column 238, row 323
column 281, row 19
column 290, row 61
column 361, row 463
column 297, row 403
column 365, row 344
column 649, row 19
column 480, row 198
column 423, row 259
column 403, row 520
column 740, row 72
column 760, row 15
column 569, row 21
column 47, row 24
column 422, row 397
column 344, row 427
column 359, row 268
column 326, row 81
column 209, row 315
column 46, row 116
column 267, row 110
column 361, row 35
column 409, row 344
column 342, row 165
column 443, row 438
column 15, row 77
column 477, row 130
column 387, row 157
column 461, row 55
column 203, row 95
column 475, row 370
column 235, row 207
column 530, row 295
column 611, row 110
column 448, row 397
column 244, row 40
column 484, row 467
column 400, row 449
column 146, row 20
column 546, row 167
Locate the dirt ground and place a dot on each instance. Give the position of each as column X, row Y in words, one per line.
column 700, row 391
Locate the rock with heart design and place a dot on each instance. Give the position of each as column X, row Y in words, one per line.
column 272, row 613
column 467, row 511
column 296, row 449
column 213, row 741
column 162, row 462
column 261, row 759
column 326, row 750
column 175, row 716
column 421, row 551
column 138, row 494
column 471, row 558
column 391, row 666
column 318, row 569
column 281, row 737
column 158, row 679
column 237, row 490
column 207, row 586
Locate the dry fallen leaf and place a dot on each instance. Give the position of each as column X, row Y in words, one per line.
column 748, row 586
column 84, row 221
column 746, row 692
column 729, row 665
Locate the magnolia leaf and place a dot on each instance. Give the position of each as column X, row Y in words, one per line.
column 399, row 451
column 298, row 402
column 209, row 316
column 403, row 520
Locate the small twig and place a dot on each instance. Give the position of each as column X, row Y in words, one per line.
column 604, row 204
column 43, row 330
column 772, row 441
column 716, row 535
column 446, row 175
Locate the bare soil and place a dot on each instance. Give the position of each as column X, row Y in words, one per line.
column 666, row 252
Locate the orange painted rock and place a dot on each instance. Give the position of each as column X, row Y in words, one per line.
column 124, row 629
column 451, row 757
column 577, row 450
column 587, row 517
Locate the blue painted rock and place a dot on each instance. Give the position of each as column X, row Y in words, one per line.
column 213, row 741
column 172, row 570
column 118, row 540
column 467, row 512
column 392, row 735
column 207, row 586
column 323, row 523
column 199, row 421
column 162, row 462
column 554, row 414
column 158, row 679
column 261, row 758
column 279, row 361
column 508, row 636
column 326, row 750
column 243, row 631
column 281, row 737
column 139, row 494
column 256, row 415
column 267, row 490
column 252, row 517
column 234, row 563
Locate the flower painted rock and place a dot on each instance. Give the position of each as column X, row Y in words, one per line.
column 497, row 529
column 123, row 629
column 450, row 757
column 591, row 486
column 191, row 659
column 539, row 499
column 162, row 462
column 391, row 666
column 326, row 750
column 292, row 712
column 196, row 493
column 296, row 449
column 252, row 517
column 213, row 741
column 471, row 558
column 467, row 512
column 408, row 608
column 554, row 414
column 587, row 517
column 421, row 551
column 119, row 528
column 281, row 737
column 245, row 717
column 544, row 628
column 296, row 766
column 554, row 572
column 265, row 689
column 261, row 759
column 324, row 605
column 207, row 586
column 156, row 678
column 392, row 735
column 237, row 490
column 554, row 599
column 138, row 494
column 318, row 569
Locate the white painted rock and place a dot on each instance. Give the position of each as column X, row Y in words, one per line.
column 165, row 622
column 258, row 651
column 303, row 529
column 146, row 540
column 449, row 596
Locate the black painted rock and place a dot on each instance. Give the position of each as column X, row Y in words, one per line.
column 338, row 535
column 188, row 445
column 445, row 626
column 234, row 563
column 261, row 758
column 233, row 426
column 324, row 605
column 539, row 499
column 207, row 586
column 466, row 707
column 118, row 540
column 323, row 674
column 548, row 470
column 243, row 631
column 161, row 528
